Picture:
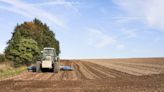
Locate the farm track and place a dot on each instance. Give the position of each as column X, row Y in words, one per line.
column 91, row 76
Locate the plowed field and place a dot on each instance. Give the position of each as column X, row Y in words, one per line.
column 119, row 75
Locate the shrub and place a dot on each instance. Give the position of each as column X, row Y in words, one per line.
column 2, row 58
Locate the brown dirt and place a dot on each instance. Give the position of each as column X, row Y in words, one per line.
column 92, row 76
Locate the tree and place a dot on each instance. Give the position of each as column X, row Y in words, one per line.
column 2, row 58
column 37, row 34
column 24, row 52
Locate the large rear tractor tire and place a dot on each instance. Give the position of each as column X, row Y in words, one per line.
column 56, row 67
column 38, row 66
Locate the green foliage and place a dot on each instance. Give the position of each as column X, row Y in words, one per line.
column 2, row 58
column 23, row 52
column 27, row 40
column 40, row 33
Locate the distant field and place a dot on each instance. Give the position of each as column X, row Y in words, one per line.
column 100, row 75
column 134, row 66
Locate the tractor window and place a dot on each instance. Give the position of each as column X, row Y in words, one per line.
column 48, row 58
column 49, row 52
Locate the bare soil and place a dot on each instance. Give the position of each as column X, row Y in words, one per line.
column 121, row 75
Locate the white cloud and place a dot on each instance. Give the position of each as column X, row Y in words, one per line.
column 130, row 33
column 67, row 4
column 13, row 9
column 28, row 10
column 149, row 11
column 120, row 46
column 98, row 39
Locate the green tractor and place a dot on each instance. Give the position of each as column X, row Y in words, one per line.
column 48, row 60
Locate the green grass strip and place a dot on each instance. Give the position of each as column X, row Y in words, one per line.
column 12, row 72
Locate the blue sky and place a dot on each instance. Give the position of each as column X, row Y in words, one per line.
column 92, row 28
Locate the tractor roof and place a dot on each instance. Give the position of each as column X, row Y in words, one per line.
column 49, row 48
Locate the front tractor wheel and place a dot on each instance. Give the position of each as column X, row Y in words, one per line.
column 56, row 67
column 38, row 68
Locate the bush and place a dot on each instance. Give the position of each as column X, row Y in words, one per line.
column 2, row 58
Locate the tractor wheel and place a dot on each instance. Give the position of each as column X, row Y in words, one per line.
column 56, row 67
column 38, row 68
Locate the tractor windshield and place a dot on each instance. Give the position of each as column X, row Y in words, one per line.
column 48, row 58
column 49, row 52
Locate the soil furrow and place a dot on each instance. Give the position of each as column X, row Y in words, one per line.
column 92, row 76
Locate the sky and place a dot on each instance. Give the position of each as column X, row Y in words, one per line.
column 92, row 28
